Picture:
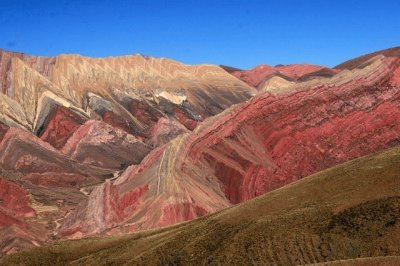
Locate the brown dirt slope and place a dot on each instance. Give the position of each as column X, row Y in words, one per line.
column 346, row 212
column 371, row 261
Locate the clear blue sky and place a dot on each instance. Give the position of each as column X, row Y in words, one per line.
column 236, row 33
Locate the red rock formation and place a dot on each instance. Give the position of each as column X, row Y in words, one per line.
column 93, row 169
column 295, row 71
column 14, row 203
column 15, row 212
column 184, row 118
column 99, row 144
column 148, row 187
column 117, row 121
column 29, row 213
column 60, row 126
column 272, row 141
column 256, row 75
column 144, row 112
column 255, row 147
column 179, row 212
column 165, row 130
column 68, row 123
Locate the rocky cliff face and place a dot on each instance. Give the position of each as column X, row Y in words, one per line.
column 123, row 144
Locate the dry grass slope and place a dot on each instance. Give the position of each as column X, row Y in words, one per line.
column 371, row 261
column 347, row 212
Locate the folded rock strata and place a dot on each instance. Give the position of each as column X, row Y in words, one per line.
column 251, row 148
column 69, row 124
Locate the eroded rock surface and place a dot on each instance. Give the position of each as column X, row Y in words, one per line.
column 250, row 149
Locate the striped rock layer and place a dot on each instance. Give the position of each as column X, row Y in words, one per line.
column 69, row 124
column 250, row 149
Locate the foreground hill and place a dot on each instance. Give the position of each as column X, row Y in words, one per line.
column 370, row 261
column 346, row 212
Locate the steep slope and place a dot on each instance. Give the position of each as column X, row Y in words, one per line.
column 346, row 212
column 250, row 149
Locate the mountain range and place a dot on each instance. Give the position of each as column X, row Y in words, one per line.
column 287, row 164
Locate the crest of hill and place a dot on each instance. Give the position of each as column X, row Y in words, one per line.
column 69, row 79
column 255, row 76
column 358, row 62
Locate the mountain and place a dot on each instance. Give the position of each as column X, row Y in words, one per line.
column 130, row 91
column 345, row 215
column 250, row 149
column 108, row 146
column 255, row 76
column 69, row 123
